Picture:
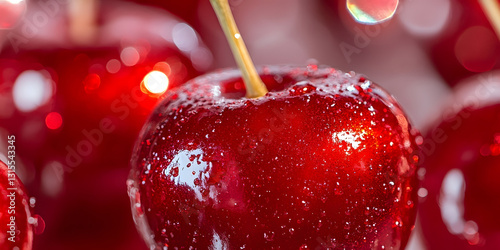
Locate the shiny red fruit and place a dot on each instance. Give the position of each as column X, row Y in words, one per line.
column 461, row 192
column 15, row 213
column 325, row 159
column 464, row 43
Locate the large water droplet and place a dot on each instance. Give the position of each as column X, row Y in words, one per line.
column 398, row 222
column 197, row 182
column 174, row 171
column 372, row 11
column 301, row 88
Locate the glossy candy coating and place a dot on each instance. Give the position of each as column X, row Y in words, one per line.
column 325, row 159
column 78, row 168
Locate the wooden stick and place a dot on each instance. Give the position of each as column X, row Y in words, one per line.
column 254, row 85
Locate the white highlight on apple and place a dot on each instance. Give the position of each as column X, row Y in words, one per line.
column 425, row 18
column 350, row 137
column 452, row 195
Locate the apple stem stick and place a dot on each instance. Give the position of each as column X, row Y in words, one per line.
column 492, row 10
column 254, row 85
column 82, row 20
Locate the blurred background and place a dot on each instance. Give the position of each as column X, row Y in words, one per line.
column 78, row 78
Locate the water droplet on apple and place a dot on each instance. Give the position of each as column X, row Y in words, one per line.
column 312, row 67
column 338, row 191
column 197, row 182
column 174, row 171
column 398, row 222
column 306, row 206
column 409, row 204
column 367, row 211
column 301, row 88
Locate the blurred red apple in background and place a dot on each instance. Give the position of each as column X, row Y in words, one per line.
column 458, row 36
column 77, row 100
column 460, row 194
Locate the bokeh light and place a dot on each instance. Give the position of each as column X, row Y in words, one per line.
column 184, row 37
column 130, row 56
column 31, row 90
column 155, row 83
column 113, row 66
column 53, row 120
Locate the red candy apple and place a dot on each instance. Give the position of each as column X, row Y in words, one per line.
column 459, row 209
column 15, row 215
column 324, row 159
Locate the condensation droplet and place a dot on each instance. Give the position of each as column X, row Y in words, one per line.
column 301, row 88
column 174, row 171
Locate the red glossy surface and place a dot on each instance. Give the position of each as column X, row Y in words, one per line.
column 16, row 232
column 462, row 169
column 326, row 159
